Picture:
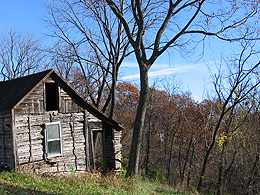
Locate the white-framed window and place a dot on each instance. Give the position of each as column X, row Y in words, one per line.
column 53, row 139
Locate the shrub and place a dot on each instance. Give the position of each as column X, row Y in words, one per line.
column 156, row 174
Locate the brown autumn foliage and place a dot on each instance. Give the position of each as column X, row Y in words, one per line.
column 178, row 131
column 127, row 96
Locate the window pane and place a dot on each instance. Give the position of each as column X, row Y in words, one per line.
column 54, row 147
column 53, row 131
column 53, row 139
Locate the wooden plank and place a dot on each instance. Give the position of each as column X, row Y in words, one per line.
column 30, row 139
column 2, row 135
column 88, row 143
column 15, row 157
column 95, row 125
column 118, row 148
column 73, row 137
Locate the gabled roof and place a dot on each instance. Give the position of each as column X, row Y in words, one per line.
column 14, row 91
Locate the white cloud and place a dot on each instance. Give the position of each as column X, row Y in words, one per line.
column 166, row 71
column 135, row 65
column 129, row 64
column 130, row 77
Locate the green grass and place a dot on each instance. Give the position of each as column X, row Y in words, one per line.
column 80, row 183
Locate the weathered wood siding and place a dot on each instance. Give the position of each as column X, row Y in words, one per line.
column 118, row 148
column 30, row 117
column 112, row 148
column 27, row 122
column 30, row 142
column 35, row 102
column 6, row 149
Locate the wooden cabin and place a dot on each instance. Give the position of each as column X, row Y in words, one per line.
column 46, row 126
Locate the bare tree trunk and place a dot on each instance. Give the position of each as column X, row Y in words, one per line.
column 113, row 91
column 190, row 165
column 149, row 131
column 170, row 158
column 208, row 150
column 166, row 138
column 186, row 160
column 133, row 165
column 221, row 171
column 253, row 174
column 148, row 148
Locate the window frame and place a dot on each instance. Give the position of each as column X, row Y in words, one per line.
column 46, row 140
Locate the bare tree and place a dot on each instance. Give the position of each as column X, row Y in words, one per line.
column 95, row 44
column 20, row 55
column 233, row 86
column 161, row 25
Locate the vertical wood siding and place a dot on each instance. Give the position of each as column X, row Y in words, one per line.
column 6, row 150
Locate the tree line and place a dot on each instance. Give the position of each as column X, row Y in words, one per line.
column 194, row 145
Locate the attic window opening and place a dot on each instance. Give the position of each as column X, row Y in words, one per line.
column 52, row 100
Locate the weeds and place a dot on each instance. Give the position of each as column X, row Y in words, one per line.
column 78, row 183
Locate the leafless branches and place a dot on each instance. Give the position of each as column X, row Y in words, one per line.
column 96, row 42
column 20, row 55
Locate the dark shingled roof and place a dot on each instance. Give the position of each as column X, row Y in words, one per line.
column 12, row 92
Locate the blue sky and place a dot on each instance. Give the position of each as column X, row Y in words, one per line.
column 194, row 77
column 24, row 15
column 28, row 16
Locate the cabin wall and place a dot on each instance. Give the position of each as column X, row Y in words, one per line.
column 112, row 148
column 30, row 142
column 6, row 143
column 29, row 120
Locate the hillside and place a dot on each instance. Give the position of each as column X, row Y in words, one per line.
column 80, row 183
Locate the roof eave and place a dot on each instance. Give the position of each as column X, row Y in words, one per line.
column 106, row 119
